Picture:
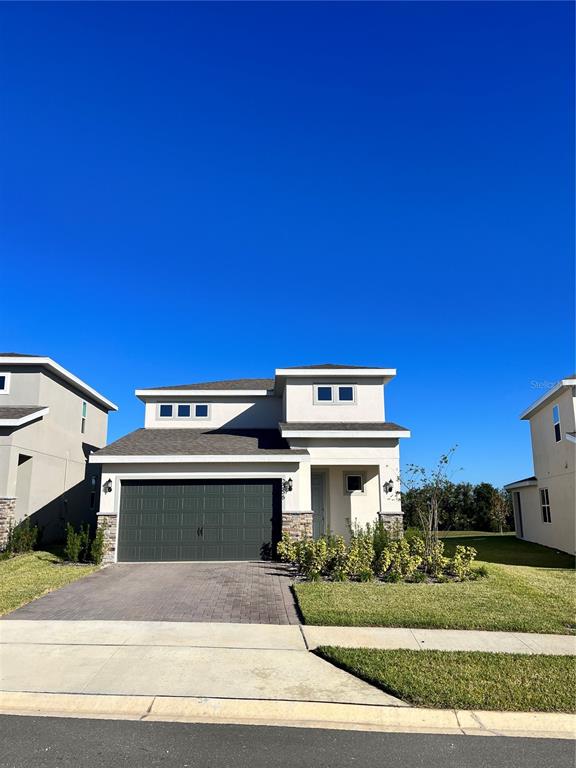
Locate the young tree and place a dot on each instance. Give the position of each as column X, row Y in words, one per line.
column 428, row 490
column 501, row 509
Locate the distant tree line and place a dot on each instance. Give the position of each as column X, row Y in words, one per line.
column 463, row 506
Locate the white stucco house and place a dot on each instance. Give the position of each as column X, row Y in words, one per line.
column 545, row 503
column 50, row 421
column 221, row 468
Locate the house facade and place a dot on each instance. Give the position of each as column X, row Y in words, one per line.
column 50, row 421
column 545, row 503
column 220, row 469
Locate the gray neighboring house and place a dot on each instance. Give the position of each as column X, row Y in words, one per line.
column 50, row 422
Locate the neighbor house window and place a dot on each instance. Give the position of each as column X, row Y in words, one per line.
column 4, row 383
column 556, row 421
column 83, row 422
column 354, row 483
column 183, row 411
column 166, row 410
column 545, row 505
column 334, row 393
column 201, row 411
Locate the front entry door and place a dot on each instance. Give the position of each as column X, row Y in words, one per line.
column 319, row 528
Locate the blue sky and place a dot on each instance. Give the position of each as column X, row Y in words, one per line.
column 201, row 191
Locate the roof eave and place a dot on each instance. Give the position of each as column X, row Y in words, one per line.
column 224, row 458
column 146, row 394
column 547, row 396
column 47, row 362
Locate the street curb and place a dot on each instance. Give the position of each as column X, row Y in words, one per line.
column 298, row 714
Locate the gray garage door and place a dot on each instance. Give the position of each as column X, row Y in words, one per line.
column 197, row 520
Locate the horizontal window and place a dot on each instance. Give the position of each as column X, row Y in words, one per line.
column 184, row 410
column 334, row 393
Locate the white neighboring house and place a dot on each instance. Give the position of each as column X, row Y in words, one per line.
column 221, row 468
column 545, row 504
column 50, row 421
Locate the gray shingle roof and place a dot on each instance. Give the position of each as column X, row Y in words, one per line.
column 372, row 426
column 225, row 384
column 217, row 442
column 19, row 411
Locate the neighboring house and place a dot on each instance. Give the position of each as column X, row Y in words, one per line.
column 221, row 468
column 545, row 504
column 50, row 421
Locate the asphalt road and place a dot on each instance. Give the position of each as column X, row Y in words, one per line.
column 46, row 742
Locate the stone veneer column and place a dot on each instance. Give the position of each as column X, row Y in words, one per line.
column 7, row 519
column 109, row 523
column 393, row 521
column 299, row 525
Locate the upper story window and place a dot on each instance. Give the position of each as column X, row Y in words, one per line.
column 334, row 393
column 545, row 505
column 4, row 383
column 84, row 414
column 184, row 410
column 556, row 422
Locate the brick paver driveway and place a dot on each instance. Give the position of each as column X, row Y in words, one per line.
column 249, row 593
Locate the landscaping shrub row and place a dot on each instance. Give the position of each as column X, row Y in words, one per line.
column 375, row 553
column 80, row 546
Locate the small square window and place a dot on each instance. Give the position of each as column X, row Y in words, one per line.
column 201, row 411
column 2, row 383
column 354, row 483
column 324, row 394
column 165, row 411
column 184, row 411
column 346, row 394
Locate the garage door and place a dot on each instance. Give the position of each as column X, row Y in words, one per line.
column 197, row 520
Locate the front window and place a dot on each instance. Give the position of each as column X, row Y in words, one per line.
column 354, row 483
column 183, row 411
column 346, row 394
column 166, row 410
column 334, row 393
column 4, row 383
column 201, row 411
column 545, row 505
column 83, row 422
column 556, row 422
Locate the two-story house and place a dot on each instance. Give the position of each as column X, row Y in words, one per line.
column 221, row 468
column 50, row 421
column 545, row 503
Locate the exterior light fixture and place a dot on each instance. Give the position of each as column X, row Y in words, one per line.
column 107, row 487
column 287, row 485
column 388, row 487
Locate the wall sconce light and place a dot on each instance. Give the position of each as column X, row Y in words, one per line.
column 107, row 487
column 287, row 485
column 388, row 487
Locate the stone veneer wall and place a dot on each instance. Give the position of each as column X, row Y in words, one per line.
column 393, row 522
column 109, row 522
column 298, row 524
column 7, row 518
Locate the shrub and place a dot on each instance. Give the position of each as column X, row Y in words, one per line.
column 73, row 546
column 286, row 548
column 435, row 562
column 460, row 565
column 22, row 538
column 98, row 545
column 403, row 559
column 337, row 560
column 360, row 560
column 313, row 557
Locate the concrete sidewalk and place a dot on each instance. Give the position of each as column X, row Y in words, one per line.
column 275, row 637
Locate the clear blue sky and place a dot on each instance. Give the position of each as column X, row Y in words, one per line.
column 202, row 191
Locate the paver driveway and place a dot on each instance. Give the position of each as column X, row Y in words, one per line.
column 249, row 593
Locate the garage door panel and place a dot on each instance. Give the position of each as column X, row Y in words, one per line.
column 197, row 520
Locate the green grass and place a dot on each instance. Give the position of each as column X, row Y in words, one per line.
column 26, row 577
column 463, row 679
column 529, row 589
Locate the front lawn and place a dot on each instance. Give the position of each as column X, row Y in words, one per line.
column 465, row 680
column 25, row 577
column 529, row 588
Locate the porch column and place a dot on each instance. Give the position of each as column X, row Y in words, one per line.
column 297, row 516
column 390, row 501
